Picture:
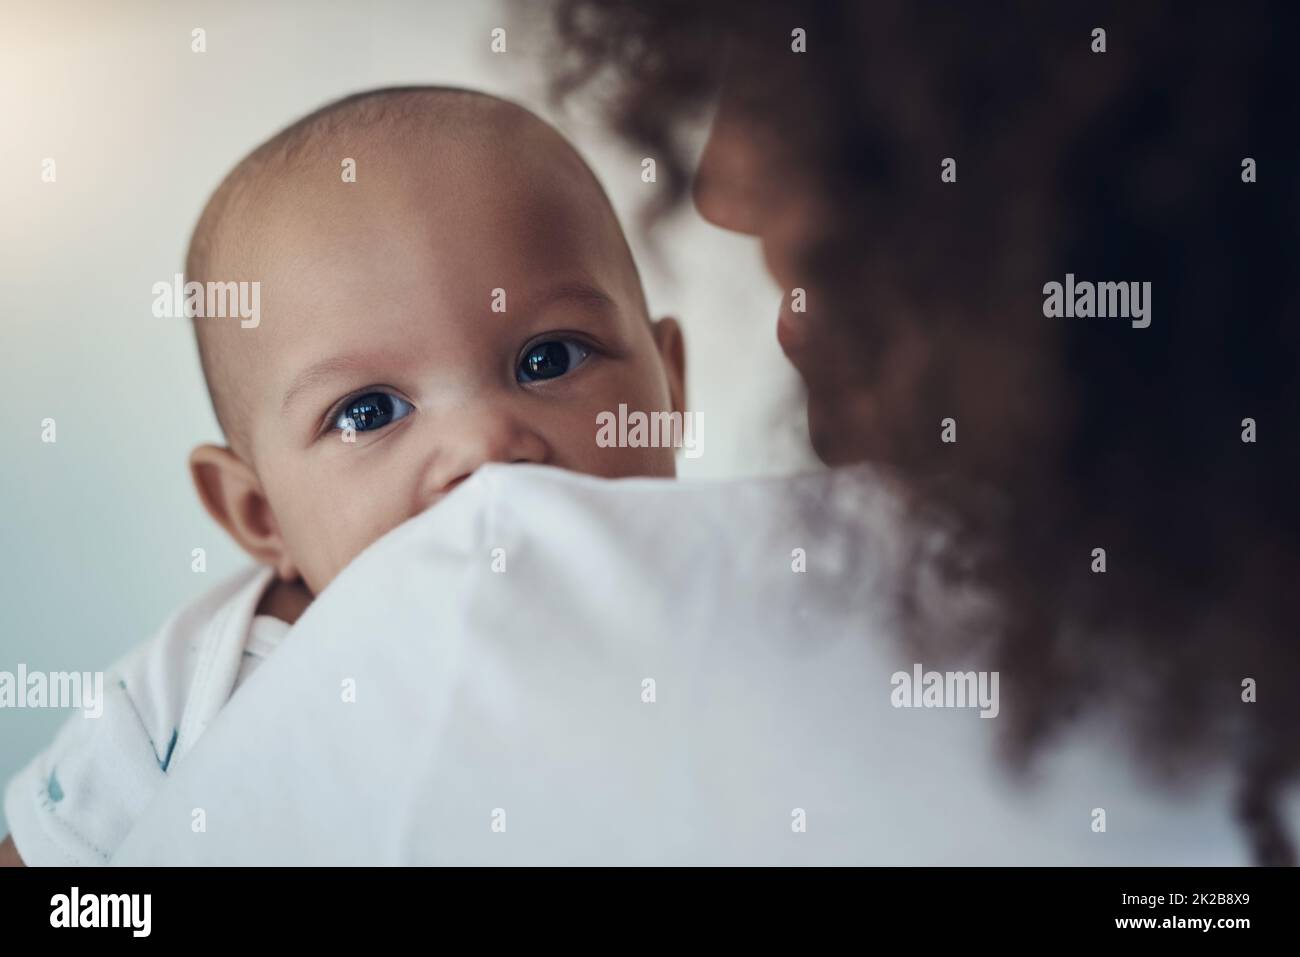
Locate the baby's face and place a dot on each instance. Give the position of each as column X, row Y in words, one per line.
column 378, row 313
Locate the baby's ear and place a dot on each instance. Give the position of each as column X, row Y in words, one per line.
column 231, row 492
column 672, row 349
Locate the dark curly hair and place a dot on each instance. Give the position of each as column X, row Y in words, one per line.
column 1075, row 433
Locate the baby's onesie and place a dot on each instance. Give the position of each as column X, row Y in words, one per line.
column 77, row 799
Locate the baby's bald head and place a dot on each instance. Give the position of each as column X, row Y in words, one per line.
column 468, row 297
column 292, row 192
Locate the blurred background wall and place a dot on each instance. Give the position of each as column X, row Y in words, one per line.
column 98, row 527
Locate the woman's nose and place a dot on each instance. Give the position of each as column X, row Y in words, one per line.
column 728, row 184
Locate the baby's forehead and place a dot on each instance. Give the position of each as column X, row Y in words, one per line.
column 483, row 170
column 504, row 203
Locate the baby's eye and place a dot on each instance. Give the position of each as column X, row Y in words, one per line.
column 372, row 411
column 551, row 359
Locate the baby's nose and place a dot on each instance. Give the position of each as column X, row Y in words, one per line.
column 469, row 439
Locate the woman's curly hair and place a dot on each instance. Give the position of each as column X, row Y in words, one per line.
column 1076, row 433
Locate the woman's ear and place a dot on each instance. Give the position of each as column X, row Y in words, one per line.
column 233, row 496
column 672, row 349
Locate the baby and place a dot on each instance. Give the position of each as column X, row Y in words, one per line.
column 442, row 283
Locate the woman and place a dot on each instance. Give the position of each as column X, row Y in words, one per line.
column 921, row 174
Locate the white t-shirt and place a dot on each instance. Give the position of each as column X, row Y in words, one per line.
column 76, row 800
column 547, row 668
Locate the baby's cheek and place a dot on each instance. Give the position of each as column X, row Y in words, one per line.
column 354, row 527
column 620, row 439
column 659, row 463
column 323, row 545
column 626, row 462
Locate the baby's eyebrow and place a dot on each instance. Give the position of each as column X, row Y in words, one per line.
column 572, row 291
column 315, row 373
